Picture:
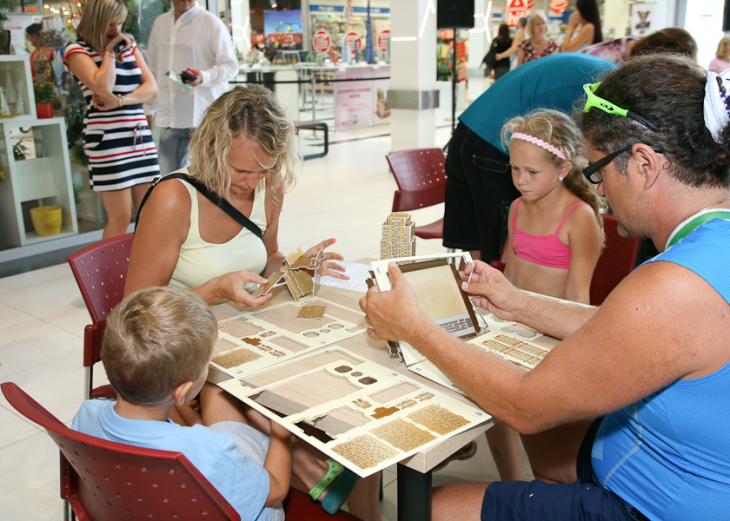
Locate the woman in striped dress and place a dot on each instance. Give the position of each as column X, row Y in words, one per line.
column 117, row 141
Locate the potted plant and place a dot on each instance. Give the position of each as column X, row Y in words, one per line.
column 44, row 99
column 6, row 6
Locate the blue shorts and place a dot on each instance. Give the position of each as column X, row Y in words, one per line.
column 584, row 500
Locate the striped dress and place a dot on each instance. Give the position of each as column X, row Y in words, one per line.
column 117, row 142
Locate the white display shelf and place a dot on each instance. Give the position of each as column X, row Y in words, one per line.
column 45, row 179
column 16, row 68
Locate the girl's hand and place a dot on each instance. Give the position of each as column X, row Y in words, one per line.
column 231, row 286
column 105, row 101
column 328, row 268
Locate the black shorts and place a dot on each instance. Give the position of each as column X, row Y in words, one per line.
column 584, row 500
column 479, row 191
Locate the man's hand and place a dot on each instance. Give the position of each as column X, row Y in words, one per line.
column 198, row 78
column 493, row 291
column 392, row 315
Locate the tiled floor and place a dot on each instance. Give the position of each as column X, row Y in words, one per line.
column 346, row 195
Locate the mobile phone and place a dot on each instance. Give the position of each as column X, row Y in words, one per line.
column 188, row 75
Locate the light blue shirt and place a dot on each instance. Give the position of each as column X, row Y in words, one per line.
column 243, row 483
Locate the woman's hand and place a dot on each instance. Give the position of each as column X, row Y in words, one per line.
column 128, row 40
column 231, row 286
column 104, row 101
column 328, row 268
column 573, row 21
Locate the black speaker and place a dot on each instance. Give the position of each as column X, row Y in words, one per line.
column 455, row 13
column 726, row 17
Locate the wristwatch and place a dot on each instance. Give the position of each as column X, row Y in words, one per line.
column 120, row 101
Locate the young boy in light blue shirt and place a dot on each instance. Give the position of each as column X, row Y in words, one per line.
column 157, row 346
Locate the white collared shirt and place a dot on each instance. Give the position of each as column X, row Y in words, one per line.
column 197, row 40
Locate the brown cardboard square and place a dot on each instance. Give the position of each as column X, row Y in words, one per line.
column 311, row 311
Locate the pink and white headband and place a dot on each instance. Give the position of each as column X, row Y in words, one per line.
column 539, row 142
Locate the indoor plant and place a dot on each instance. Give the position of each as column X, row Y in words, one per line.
column 44, row 99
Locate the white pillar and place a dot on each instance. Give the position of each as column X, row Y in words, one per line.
column 241, row 27
column 413, row 96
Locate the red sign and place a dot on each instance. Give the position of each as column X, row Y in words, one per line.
column 558, row 6
column 353, row 41
column 322, row 41
column 516, row 9
column 383, row 39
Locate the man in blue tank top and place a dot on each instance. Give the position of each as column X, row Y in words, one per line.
column 626, row 418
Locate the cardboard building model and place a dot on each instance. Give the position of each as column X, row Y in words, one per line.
column 399, row 239
column 300, row 273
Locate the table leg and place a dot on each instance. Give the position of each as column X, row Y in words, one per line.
column 414, row 494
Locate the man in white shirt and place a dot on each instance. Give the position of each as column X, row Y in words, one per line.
column 186, row 37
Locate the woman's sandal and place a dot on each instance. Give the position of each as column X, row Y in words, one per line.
column 342, row 481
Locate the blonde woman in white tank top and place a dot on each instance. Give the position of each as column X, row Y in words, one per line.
column 244, row 151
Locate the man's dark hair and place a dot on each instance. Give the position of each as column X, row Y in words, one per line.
column 669, row 91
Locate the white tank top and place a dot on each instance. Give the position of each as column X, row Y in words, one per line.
column 202, row 261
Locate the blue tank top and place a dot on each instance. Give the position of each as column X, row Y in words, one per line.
column 668, row 455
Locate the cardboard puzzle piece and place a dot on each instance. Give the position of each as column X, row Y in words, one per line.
column 312, row 311
column 274, row 279
column 300, row 273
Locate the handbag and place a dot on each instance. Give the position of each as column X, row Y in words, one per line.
column 212, row 197
column 490, row 59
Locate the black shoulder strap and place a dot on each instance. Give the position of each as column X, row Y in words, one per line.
column 212, row 197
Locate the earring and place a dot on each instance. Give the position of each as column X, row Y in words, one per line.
column 560, row 179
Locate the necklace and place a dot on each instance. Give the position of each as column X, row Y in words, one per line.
column 696, row 220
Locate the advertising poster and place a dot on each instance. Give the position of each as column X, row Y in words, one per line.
column 362, row 103
column 642, row 16
column 354, row 99
column 283, row 29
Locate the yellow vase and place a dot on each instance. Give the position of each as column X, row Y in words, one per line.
column 46, row 220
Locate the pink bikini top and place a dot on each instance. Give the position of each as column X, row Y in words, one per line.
column 546, row 250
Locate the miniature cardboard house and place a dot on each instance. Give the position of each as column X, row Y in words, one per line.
column 399, row 239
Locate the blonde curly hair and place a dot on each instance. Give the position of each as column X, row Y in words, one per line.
column 251, row 113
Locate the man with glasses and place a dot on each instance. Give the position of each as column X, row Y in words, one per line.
column 626, row 418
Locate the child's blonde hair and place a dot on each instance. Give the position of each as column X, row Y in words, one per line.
column 558, row 130
column 155, row 340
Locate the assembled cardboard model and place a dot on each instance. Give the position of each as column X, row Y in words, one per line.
column 399, row 239
column 300, row 273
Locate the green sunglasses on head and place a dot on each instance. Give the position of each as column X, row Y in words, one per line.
column 591, row 100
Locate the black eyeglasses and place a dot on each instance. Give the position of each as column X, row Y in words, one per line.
column 593, row 171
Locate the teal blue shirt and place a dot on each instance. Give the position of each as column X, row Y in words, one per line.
column 552, row 82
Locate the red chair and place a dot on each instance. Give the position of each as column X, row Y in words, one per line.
column 104, row 480
column 421, row 177
column 616, row 261
column 100, row 271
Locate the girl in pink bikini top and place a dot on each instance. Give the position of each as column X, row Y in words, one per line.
column 556, row 223
column 555, row 239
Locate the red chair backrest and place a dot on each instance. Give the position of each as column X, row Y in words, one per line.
column 616, row 261
column 421, row 177
column 101, row 272
column 110, row 481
